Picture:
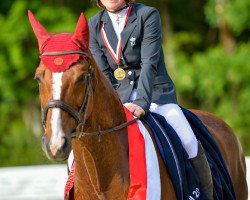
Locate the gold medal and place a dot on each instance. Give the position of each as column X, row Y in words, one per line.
column 119, row 74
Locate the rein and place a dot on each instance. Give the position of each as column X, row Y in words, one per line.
column 99, row 133
column 84, row 108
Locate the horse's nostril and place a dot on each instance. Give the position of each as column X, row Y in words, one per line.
column 44, row 140
column 64, row 142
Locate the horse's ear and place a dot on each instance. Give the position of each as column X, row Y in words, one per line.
column 41, row 33
column 81, row 35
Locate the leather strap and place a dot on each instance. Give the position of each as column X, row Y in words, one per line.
column 55, row 53
column 73, row 112
column 62, row 105
column 79, row 134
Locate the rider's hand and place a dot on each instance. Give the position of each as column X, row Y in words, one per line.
column 135, row 109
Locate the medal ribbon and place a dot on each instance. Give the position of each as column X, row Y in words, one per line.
column 115, row 55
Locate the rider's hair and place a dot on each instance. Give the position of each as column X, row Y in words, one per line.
column 99, row 3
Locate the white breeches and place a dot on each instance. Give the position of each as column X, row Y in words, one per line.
column 175, row 117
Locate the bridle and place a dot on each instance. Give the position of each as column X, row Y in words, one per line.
column 77, row 115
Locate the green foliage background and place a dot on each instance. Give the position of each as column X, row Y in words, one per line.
column 207, row 50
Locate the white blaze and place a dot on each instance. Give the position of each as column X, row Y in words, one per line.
column 57, row 132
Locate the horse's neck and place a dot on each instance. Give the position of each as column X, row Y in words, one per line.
column 102, row 169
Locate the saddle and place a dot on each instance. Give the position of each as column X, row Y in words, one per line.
column 184, row 178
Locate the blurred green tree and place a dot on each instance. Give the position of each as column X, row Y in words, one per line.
column 206, row 44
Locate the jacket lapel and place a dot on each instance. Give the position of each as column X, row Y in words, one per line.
column 109, row 30
column 128, row 29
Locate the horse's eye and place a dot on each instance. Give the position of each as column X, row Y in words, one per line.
column 81, row 78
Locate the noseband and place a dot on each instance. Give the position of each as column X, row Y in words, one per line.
column 77, row 115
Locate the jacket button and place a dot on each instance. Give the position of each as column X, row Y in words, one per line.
column 131, row 82
column 129, row 73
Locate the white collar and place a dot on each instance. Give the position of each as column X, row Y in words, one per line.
column 121, row 13
column 118, row 20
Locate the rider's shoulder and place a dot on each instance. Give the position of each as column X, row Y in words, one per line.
column 96, row 18
column 142, row 9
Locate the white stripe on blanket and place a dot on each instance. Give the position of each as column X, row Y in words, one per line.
column 153, row 172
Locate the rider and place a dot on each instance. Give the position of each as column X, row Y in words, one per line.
column 125, row 40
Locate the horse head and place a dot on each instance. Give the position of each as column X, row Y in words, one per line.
column 65, row 77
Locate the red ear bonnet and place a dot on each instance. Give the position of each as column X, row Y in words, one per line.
column 79, row 41
column 41, row 34
column 81, row 35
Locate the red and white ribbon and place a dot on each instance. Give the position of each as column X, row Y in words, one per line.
column 115, row 55
column 145, row 181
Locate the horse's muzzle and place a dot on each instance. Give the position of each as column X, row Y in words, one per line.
column 59, row 151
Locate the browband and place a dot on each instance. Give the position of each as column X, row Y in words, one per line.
column 56, row 53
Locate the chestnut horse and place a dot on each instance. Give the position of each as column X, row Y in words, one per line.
column 80, row 97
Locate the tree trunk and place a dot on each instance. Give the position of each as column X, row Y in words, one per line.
column 225, row 35
column 167, row 34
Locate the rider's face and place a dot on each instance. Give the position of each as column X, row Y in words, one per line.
column 113, row 5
